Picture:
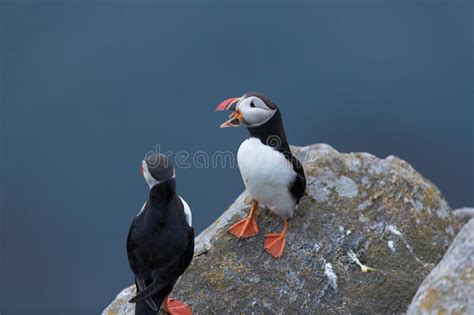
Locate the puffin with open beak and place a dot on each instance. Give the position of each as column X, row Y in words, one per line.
column 272, row 175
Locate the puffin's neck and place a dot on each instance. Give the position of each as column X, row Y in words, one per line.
column 163, row 192
column 271, row 133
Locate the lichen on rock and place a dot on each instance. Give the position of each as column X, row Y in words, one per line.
column 449, row 288
column 384, row 212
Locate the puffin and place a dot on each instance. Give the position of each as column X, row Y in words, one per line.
column 271, row 174
column 160, row 242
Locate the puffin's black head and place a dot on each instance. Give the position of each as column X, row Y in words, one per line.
column 157, row 168
column 250, row 110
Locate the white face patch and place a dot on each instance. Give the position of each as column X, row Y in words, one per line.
column 254, row 111
column 148, row 178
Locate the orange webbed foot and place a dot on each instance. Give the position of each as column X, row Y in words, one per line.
column 176, row 307
column 274, row 243
column 247, row 227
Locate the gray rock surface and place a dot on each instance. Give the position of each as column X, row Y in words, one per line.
column 449, row 288
column 366, row 234
column 465, row 212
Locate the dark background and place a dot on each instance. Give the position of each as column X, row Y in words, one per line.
column 87, row 89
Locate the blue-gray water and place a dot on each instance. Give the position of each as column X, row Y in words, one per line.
column 88, row 89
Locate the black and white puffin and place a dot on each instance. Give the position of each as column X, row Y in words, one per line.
column 160, row 243
column 272, row 175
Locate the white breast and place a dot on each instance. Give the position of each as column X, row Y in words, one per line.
column 267, row 175
column 187, row 212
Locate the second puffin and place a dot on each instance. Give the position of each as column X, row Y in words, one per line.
column 272, row 175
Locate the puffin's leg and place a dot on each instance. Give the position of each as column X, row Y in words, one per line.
column 175, row 307
column 275, row 242
column 247, row 227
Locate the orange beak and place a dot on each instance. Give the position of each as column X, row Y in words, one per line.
column 228, row 104
column 235, row 117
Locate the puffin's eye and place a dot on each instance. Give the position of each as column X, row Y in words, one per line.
column 252, row 104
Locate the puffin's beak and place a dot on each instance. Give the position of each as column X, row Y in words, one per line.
column 235, row 117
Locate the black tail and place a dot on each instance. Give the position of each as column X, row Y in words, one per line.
column 142, row 308
column 150, row 305
column 148, row 292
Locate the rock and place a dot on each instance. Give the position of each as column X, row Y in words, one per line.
column 449, row 288
column 464, row 212
column 359, row 214
column 120, row 305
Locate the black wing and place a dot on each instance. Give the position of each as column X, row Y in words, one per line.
column 298, row 186
column 133, row 258
column 168, row 274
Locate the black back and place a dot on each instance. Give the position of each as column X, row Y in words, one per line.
column 160, row 243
